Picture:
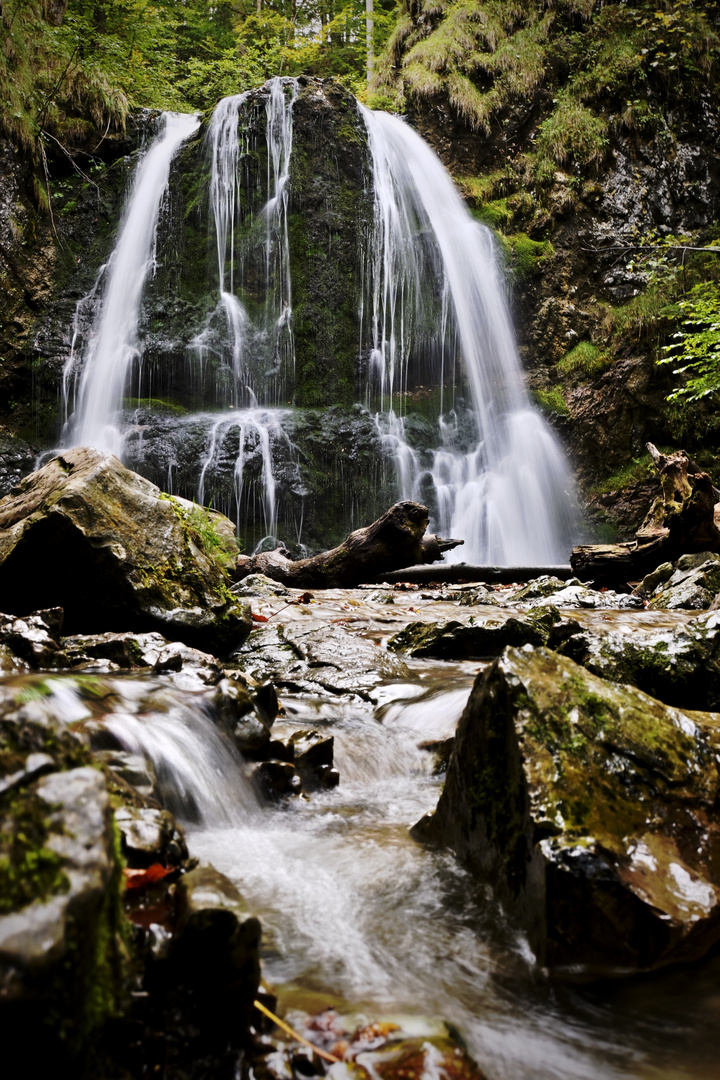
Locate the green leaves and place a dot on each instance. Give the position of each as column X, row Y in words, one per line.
column 696, row 345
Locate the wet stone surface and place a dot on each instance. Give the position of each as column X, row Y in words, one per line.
column 591, row 809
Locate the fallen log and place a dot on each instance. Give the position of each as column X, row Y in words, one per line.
column 469, row 572
column 393, row 541
column 682, row 520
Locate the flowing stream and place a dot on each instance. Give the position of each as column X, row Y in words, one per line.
column 359, row 917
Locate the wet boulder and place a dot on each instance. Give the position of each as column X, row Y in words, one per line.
column 150, row 836
column 276, row 780
column 210, row 969
column 693, row 584
column 680, row 665
column 308, row 752
column 31, row 642
column 472, row 638
column 591, row 810
column 86, row 534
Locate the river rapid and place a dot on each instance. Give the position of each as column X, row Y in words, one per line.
column 359, row 917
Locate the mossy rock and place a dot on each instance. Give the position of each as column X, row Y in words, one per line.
column 63, row 958
column 471, row 639
column 679, row 665
column 88, row 535
column 590, row 808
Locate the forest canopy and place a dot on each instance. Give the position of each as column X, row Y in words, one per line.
column 64, row 61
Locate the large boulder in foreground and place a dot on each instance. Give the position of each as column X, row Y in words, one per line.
column 63, row 960
column 88, row 535
column 592, row 810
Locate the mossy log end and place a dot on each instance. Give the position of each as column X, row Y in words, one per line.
column 682, row 520
column 392, row 542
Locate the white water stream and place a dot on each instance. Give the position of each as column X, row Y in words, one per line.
column 359, row 917
column 111, row 346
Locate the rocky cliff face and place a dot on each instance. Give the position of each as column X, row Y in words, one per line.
column 186, row 365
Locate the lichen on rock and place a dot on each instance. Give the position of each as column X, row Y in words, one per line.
column 590, row 809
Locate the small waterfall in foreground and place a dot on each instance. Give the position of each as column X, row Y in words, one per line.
column 111, row 346
column 437, row 301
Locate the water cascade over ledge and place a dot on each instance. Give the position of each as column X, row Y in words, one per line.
column 509, row 496
column 112, row 344
column 422, row 306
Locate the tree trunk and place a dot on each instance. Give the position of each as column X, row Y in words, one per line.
column 680, row 521
column 369, row 26
column 393, row 541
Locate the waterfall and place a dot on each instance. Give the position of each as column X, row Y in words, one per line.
column 262, row 352
column 111, row 346
column 432, row 317
column 436, row 292
column 224, row 139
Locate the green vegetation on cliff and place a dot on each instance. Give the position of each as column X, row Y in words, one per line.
column 602, row 63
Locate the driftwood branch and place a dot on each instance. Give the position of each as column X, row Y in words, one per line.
column 392, row 542
column 681, row 520
column 649, row 247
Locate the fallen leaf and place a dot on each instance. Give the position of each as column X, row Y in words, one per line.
column 140, row 879
column 259, row 618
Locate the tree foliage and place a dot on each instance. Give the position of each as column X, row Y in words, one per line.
column 695, row 348
column 588, row 67
column 63, row 62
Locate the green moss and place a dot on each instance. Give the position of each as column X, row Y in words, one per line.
column 551, row 401
column 527, row 256
column 585, row 360
column 28, row 870
column 157, row 405
column 638, row 469
column 573, row 134
column 495, row 214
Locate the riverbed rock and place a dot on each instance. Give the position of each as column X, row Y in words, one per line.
column 62, row 961
column 314, row 655
column 394, row 1048
column 680, row 665
column 591, row 810
column 473, row 638
column 86, row 534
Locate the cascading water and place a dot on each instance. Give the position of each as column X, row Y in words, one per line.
column 262, row 355
column 111, row 346
column 436, row 298
column 491, row 472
